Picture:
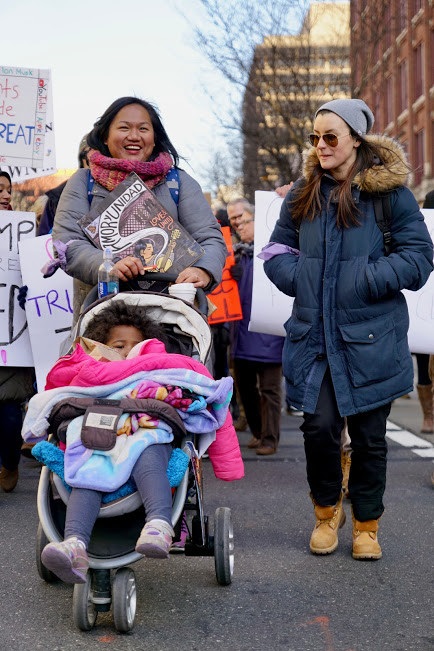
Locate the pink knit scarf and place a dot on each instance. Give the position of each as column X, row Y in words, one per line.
column 109, row 172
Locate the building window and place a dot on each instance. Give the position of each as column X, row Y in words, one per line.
column 403, row 94
column 419, row 81
column 419, row 156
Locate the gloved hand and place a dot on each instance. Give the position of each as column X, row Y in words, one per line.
column 22, row 295
column 236, row 271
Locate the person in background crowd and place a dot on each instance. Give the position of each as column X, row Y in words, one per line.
column 53, row 196
column 16, row 386
column 236, row 211
column 349, row 312
column 257, row 358
column 220, row 331
column 425, row 388
column 130, row 137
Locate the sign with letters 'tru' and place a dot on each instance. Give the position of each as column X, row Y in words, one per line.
column 25, row 111
column 48, row 305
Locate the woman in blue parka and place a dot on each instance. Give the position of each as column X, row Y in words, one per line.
column 346, row 352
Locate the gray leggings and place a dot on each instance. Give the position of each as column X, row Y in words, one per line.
column 152, row 483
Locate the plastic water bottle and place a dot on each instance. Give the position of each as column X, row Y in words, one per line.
column 108, row 280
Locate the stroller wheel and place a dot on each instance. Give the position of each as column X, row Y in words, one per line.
column 223, row 546
column 124, row 598
column 42, row 541
column 83, row 608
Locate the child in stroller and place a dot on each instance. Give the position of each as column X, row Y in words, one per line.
column 140, row 345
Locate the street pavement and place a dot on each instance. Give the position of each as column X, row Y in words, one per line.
column 282, row 598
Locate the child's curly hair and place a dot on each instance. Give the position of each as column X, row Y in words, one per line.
column 119, row 313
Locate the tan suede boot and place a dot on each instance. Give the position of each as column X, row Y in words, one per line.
column 329, row 519
column 365, row 543
column 425, row 393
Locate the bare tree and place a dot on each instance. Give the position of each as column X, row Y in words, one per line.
column 280, row 64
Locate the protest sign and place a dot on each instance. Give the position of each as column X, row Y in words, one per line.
column 15, row 226
column 131, row 221
column 271, row 308
column 26, row 119
column 48, row 305
column 15, row 349
column 225, row 296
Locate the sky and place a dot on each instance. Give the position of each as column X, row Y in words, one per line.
column 99, row 50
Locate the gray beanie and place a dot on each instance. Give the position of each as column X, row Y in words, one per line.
column 355, row 112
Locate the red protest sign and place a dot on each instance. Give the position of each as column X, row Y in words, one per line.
column 225, row 296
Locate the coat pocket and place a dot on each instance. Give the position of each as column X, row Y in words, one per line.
column 370, row 350
column 294, row 350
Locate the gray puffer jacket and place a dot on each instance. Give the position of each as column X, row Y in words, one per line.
column 83, row 259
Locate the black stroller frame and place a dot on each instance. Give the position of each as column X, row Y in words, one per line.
column 119, row 524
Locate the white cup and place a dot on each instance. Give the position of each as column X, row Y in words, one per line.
column 186, row 291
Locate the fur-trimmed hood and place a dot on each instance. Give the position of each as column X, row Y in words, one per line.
column 391, row 172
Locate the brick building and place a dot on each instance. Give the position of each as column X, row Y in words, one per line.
column 392, row 69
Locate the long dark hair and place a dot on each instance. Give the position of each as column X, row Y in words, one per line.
column 306, row 203
column 97, row 137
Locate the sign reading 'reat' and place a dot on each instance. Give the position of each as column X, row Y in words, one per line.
column 25, row 112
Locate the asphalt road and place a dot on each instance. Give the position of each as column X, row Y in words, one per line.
column 282, row 598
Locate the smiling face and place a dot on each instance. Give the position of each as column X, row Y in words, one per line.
column 131, row 134
column 337, row 160
column 123, row 338
column 5, row 193
column 236, row 213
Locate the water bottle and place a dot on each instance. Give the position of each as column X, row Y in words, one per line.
column 108, row 280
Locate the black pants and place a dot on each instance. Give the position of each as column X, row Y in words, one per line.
column 11, row 419
column 322, row 442
column 260, row 388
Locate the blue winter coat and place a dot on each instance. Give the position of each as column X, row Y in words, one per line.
column 349, row 311
column 254, row 346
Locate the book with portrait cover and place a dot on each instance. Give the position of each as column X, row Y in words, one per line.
column 133, row 222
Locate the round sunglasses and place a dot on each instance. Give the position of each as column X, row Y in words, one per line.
column 329, row 138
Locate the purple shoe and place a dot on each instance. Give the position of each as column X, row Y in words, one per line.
column 179, row 545
column 68, row 560
column 155, row 539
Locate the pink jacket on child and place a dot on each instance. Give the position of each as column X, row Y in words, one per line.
column 80, row 369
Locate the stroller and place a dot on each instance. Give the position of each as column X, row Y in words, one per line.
column 112, row 545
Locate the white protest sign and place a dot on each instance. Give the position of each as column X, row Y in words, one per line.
column 14, row 227
column 48, row 305
column 421, row 306
column 271, row 308
column 26, row 118
column 15, row 349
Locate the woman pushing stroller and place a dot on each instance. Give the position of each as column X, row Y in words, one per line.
column 144, row 444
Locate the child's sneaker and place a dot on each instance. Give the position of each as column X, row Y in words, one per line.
column 68, row 560
column 179, row 545
column 155, row 539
